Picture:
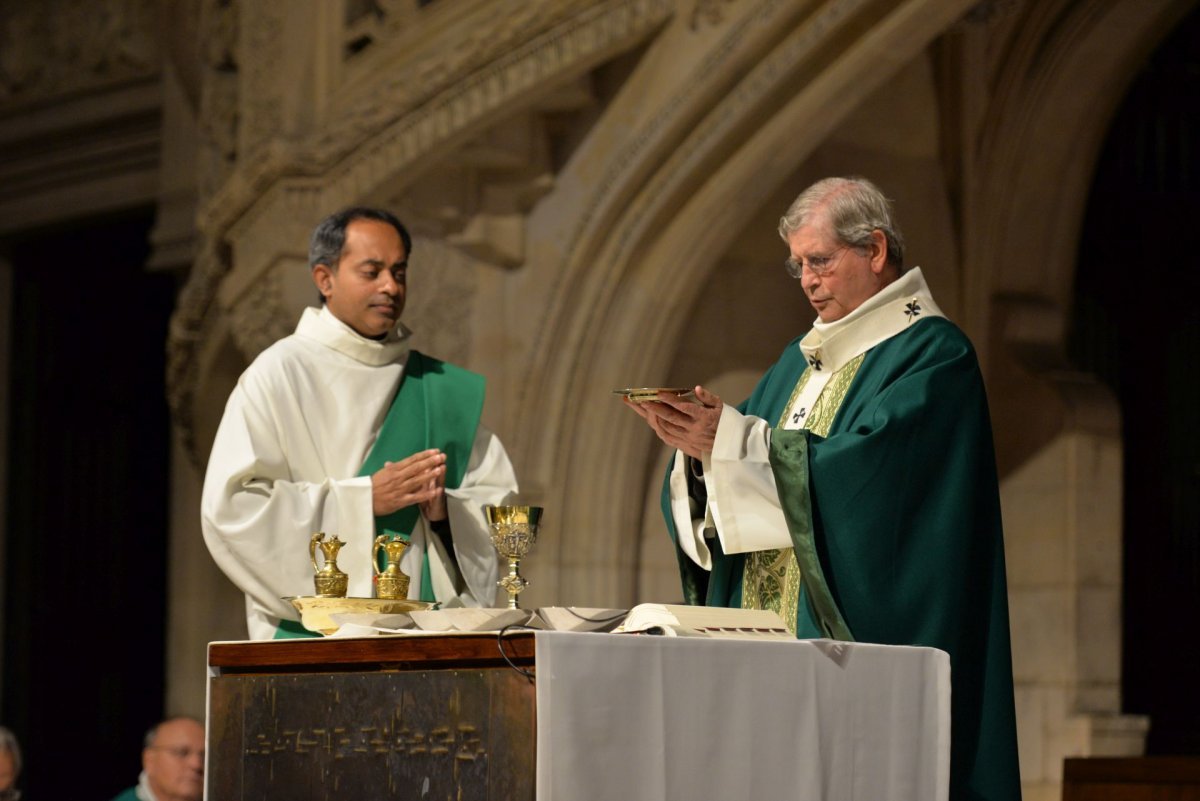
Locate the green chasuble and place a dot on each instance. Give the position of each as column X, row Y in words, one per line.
column 438, row 405
column 897, row 513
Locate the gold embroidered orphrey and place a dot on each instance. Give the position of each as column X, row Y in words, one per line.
column 771, row 579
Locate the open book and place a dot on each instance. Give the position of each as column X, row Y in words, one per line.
column 705, row 621
column 671, row 620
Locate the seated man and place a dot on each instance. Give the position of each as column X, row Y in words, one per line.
column 10, row 765
column 342, row 428
column 172, row 763
column 855, row 491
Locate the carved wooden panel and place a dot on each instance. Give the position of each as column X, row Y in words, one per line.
column 368, row 724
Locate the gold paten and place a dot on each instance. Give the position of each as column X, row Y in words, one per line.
column 643, row 394
column 390, row 583
column 330, row 582
column 514, row 532
column 315, row 612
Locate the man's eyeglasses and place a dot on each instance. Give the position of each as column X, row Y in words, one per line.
column 817, row 265
column 179, row 751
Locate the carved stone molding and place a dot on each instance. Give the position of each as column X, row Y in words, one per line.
column 435, row 100
column 387, row 139
column 218, row 113
column 258, row 318
column 261, row 86
column 682, row 160
column 53, row 48
column 440, row 308
column 189, row 328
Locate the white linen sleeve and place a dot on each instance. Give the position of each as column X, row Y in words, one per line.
column 742, row 498
column 257, row 522
column 689, row 531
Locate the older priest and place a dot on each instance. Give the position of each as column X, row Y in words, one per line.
column 342, row 428
column 855, row 491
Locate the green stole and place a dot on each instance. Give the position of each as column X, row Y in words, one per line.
column 438, row 405
column 773, row 578
column 724, row 584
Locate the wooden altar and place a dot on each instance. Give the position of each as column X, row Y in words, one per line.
column 381, row 718
column 638, row 718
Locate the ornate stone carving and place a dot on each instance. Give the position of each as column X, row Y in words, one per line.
column 441, row 300
column 762, row 80
column 218, row 115
column 259, row 318
column 368, row 22
column 56, row 47
column 440, row 97
column 190, row 325
column 449, row 93
column 261, row 85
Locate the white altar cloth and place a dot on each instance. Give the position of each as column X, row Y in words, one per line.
column 637, row 717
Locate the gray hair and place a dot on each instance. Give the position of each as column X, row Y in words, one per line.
column 855, row 209
column 152, row 732
column 8, row 742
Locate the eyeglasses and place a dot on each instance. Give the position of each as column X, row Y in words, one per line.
column 817, row 265
column 179, row 751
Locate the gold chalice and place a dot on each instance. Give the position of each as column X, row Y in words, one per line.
column 514, row 531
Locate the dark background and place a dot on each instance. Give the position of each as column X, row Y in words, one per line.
column 1137, row 327
column 88, row 490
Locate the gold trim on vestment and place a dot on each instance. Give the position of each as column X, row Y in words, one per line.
column 771, row 579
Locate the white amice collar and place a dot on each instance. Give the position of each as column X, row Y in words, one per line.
column 829, row 346
column 322, row 326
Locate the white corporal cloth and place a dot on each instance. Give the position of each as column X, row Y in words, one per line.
column 633, row 718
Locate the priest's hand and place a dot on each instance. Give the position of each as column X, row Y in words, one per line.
column 690, row 426
column 434, row 509
column 419, row 479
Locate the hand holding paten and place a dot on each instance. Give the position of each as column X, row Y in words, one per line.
column 690, row 426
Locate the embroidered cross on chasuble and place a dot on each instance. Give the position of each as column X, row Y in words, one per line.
column 771, row 579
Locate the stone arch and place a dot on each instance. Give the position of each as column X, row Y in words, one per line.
column 1054, row 100
column 625, row 319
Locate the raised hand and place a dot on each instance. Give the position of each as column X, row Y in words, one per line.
column 418, row 479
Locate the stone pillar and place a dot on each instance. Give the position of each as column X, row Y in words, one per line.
column 6, row 290
column 1063, row 532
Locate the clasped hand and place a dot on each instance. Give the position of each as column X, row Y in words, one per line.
column 690, row 426
column 419, row 479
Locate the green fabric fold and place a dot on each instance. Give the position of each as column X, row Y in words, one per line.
column 438, row 405
column 789, row 461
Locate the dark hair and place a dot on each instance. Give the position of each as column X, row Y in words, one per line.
column 329, row 237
